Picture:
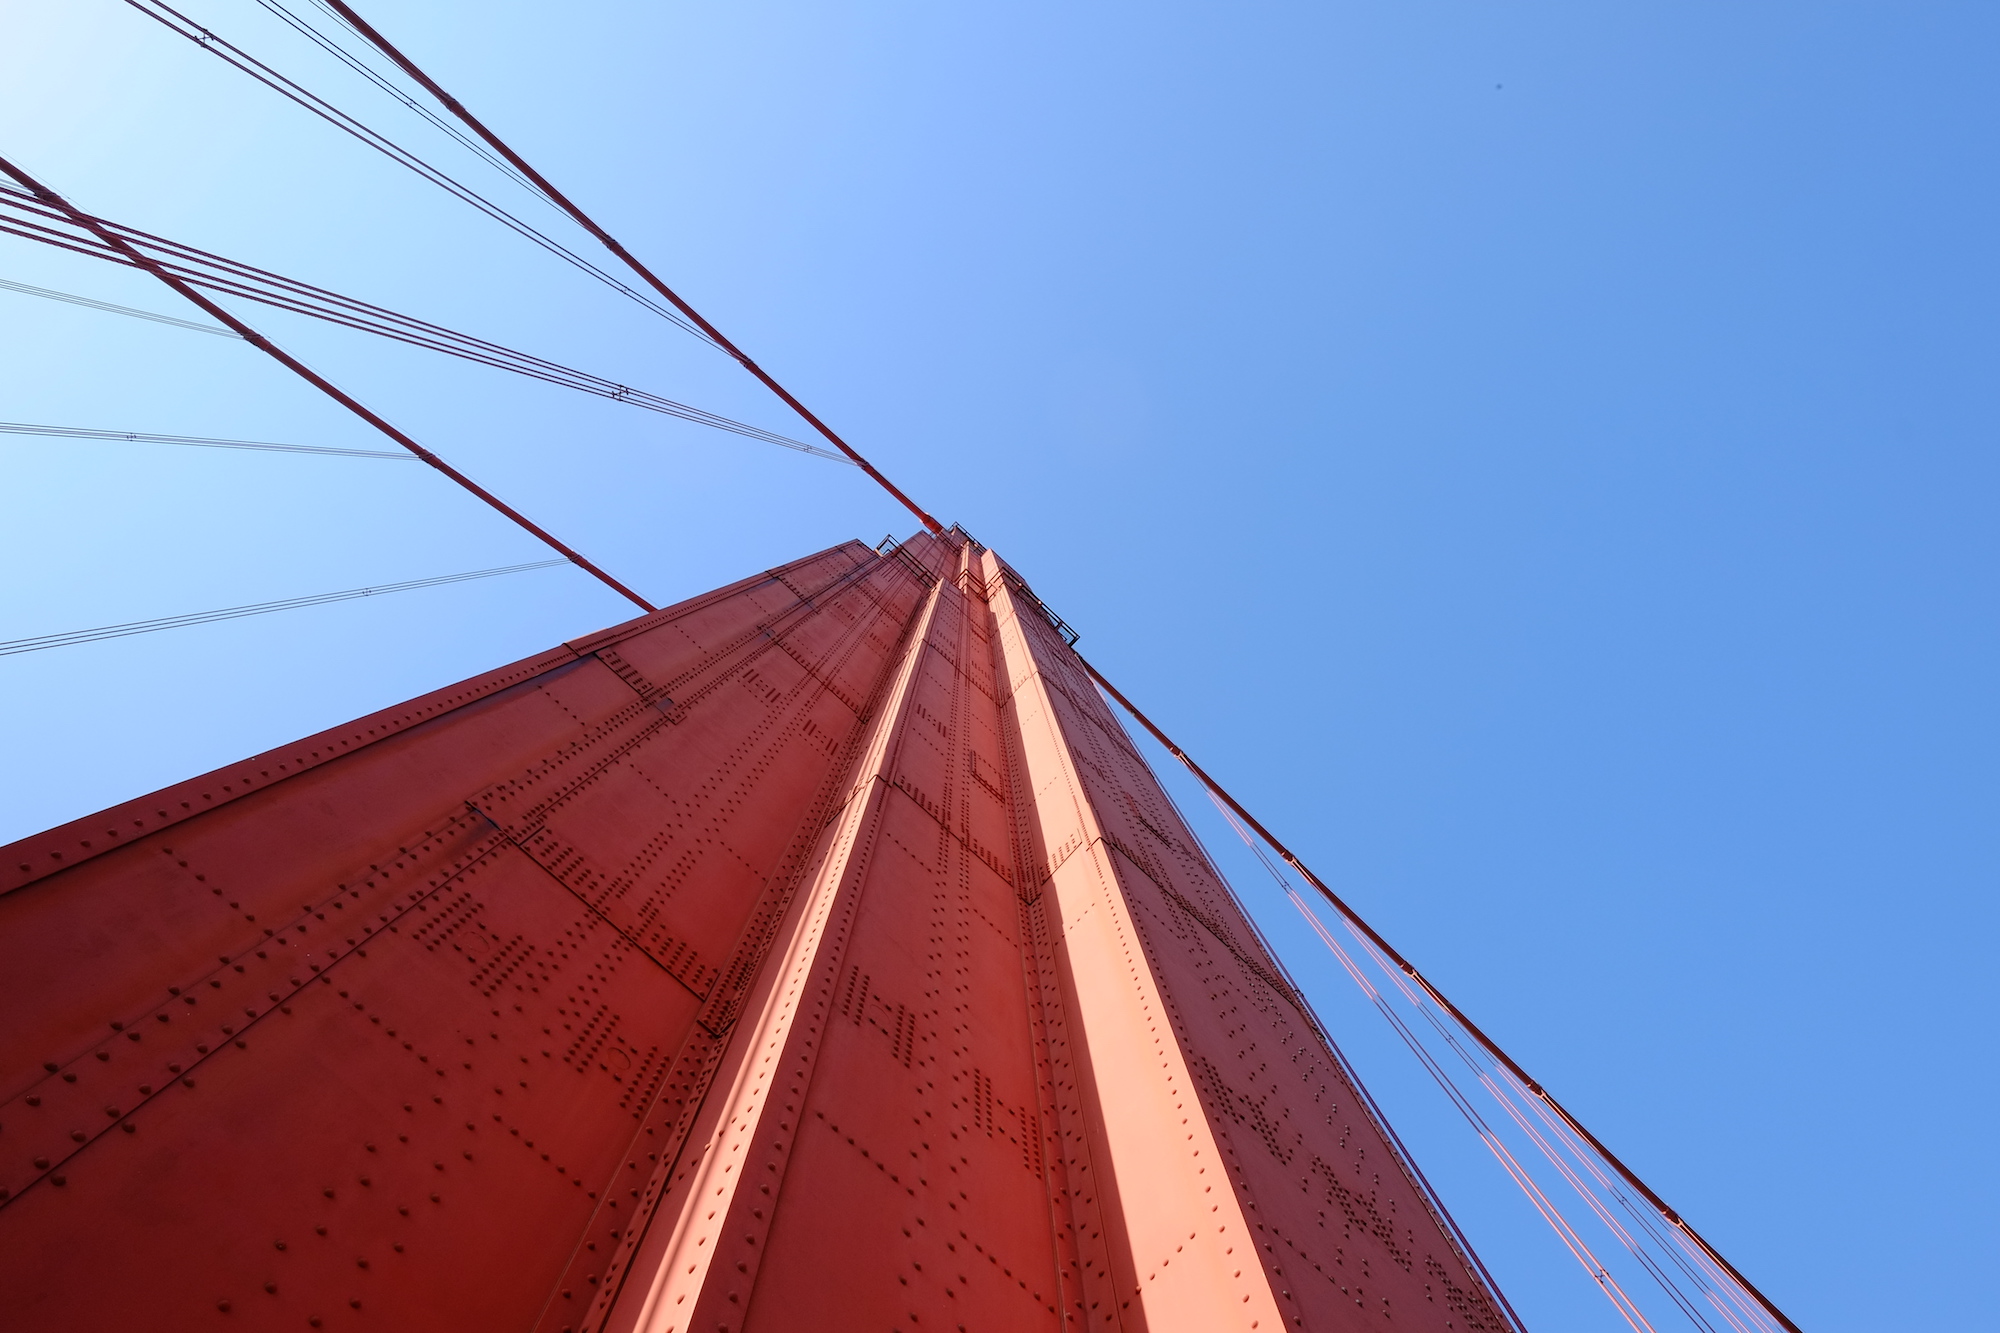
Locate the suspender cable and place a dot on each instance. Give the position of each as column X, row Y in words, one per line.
column 102, row 632
column 21, row 214
column 72, row 298
column 584, row 220
column 314, row 378
column 197, row 441
column 1491, row 1047
column 235, row 56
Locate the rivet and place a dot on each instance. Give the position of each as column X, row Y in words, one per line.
column 77, row 1134
column 104, row 1055
column 280, row 1244
column 41, row 1163
column 60, row 1180
column 271, row 1287
column 222, row 1306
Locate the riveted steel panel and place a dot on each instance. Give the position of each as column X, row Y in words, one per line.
column 818, row 953
column 410, row 998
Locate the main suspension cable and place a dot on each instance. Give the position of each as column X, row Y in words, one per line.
column 314, row 378
column 451, row 104
column 1408, row 969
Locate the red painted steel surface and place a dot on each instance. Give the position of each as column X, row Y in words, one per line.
column 817, row 954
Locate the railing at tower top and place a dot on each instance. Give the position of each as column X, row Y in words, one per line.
column 1027, row 594
column 891, row 548
column 972, row 585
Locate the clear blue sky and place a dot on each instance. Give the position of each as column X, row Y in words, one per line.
column 1541, row 455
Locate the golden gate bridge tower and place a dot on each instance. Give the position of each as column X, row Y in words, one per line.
column 816, row 953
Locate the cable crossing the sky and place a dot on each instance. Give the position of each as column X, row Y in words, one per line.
column 101, row 233
column 583, row 219
column 71, row 298
column 24, row 214
column 1373, row 940
column 198, row 441
column 233, row 55
column 11, row 647
column 37, row 213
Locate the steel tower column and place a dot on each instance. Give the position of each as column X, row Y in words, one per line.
column 815, row 954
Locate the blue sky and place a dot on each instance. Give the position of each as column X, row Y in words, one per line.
column 1540, row 456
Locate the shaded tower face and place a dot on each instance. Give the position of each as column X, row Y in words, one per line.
column 816, row 954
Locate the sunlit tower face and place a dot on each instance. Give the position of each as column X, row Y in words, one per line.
column 817, row 953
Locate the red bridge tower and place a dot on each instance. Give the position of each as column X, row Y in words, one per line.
column 815, row 954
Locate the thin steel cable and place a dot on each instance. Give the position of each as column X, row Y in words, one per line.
column 11, row 647
column 1558, row 1160
column 53, row 200
column 305, row 28
column 1576, row 1151
column 1486, row 1043
column 21, row 214
column 1713, row 1283
column 73, row 299
column 1565, row 1231
column 583, row 219
column 197, row 441
column 1571, row 1147
column 1542, row 1203
column 1644, row 1219
column 1432, row 1199
column 179, row 24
